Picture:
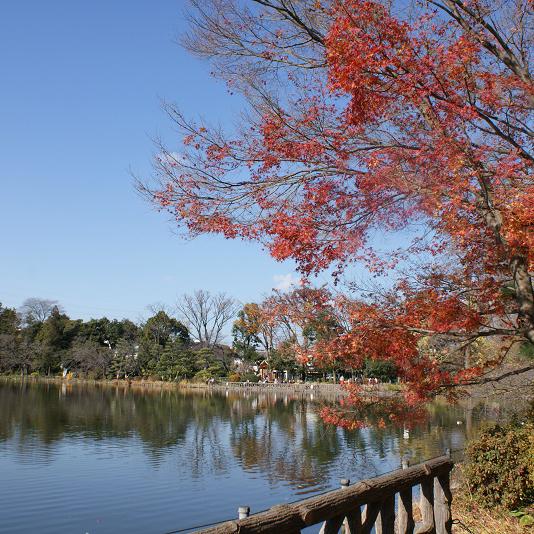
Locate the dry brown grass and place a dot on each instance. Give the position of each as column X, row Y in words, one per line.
column 471, row 518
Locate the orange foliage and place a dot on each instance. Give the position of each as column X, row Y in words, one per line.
column 391, row 120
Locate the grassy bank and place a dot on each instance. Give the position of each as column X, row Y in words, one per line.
column 314, row 388
column 221, row 382
column 470, row 517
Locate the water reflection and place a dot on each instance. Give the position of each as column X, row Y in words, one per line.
column 279, row 435
column 264, row 447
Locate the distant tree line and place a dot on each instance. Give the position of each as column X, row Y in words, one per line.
column 284, row 328
column 40, row 338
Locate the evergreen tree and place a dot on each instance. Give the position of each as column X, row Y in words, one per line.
column 176, row 362
column 55, row 336
column 9, row 321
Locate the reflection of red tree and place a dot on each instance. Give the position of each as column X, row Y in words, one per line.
column 387, row 123
column 360, row 409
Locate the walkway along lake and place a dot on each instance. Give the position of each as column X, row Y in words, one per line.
column 91, row 459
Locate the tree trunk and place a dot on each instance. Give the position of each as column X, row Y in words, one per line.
column 524, row 295
column 524, row 292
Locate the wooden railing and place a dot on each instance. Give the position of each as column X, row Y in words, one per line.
column 384, row 502
column 278, row 385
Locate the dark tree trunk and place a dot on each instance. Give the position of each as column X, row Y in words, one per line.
column 524, row 295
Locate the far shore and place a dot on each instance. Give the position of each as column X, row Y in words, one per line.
column 308, row 388
column 502, row 389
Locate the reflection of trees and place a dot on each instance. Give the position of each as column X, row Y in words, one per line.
column 287, row 441
column 450, row 426
column 50, row 413
column 188, row 424
column 279, row 436
column 284, row 440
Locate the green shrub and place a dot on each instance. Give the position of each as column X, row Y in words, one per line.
column 202, row 376
column 525, row 519
column 250, row 377
column 215, row 371
column 527, row 350
column 500, row 466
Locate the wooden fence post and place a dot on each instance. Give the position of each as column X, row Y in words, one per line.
column 243, row 512
column 332, row 526
column 426, row 504
column 371, row 513
column 405, row 522
column 385, row 523
column 442, row 504
column 353, row 522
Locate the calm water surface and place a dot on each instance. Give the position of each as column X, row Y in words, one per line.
column 81, row 459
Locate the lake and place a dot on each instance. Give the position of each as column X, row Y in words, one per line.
column 100, row 459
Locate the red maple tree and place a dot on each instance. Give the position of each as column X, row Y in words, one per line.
column 371, row 117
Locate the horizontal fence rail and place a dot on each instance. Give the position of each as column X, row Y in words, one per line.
column 278, row 385
column 383, row 503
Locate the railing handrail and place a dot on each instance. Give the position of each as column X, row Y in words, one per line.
column 333, row 507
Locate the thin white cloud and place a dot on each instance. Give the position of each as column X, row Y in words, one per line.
column 173, row 158
column 285, row 282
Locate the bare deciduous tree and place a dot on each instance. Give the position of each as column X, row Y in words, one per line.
column 206, row 315
column 90, row 357
column 38, row 310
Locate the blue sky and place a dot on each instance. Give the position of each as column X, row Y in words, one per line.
column 79, row 104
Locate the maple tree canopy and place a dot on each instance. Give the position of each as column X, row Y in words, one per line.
column 368, row 117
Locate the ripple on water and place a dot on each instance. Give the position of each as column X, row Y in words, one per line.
column 94, row 461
